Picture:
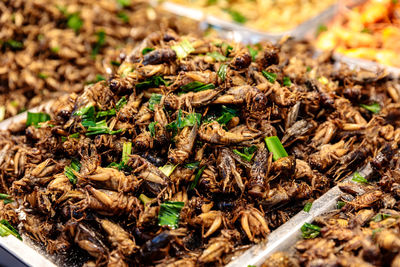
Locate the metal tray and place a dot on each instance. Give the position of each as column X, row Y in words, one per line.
column 15, row 252
column 244, row 34
column 282, row 238
column 367, row 64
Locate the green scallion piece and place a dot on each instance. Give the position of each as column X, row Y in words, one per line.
column 169, row 213
column 168, row 169
column 121, row 103
column 192, row 165
column 196, row 87
column 217, row 56
column 340, row 204
column 197, row 178
column 145, row 199
column 287, row 82
column 275, row 146
column 152, row 128
column 374, row 108
column 309, row 230
column 183, row 49
column 222, row 71
column 69, row 170
column 126, row 151
column 307, row 207
column 154, row 99
column 357, row 177
column 271, row 77
column 7, row 229
column 147, row 50
column 36, row 118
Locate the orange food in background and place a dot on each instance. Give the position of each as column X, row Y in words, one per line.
column 370, row 31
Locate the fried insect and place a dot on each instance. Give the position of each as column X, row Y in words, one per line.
column 171, row 161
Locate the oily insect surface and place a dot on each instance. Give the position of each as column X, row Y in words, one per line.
column 166, row 162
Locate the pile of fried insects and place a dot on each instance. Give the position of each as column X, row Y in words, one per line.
column 195, row 150
column 362, row 231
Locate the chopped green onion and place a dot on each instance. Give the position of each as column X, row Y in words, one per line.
column 126, row 151
column 286, row 81
column 152, row 82
column 88, row 115
column 36, row 118
column 74, row 22
column 236, row 16
column 123, row 16
column 168, row 169
column 100, row 127
column 275, row 146
column 7, row 229
column 340, row 204
column 122, row 102
column 180, row 122
column 104, row 113
column 100, row 78
column 154, row 99
column 211, row 2
column 248, row 153
column 42, row 75
column 115, row 63
column 169, row 213
column 226, row 48
column 222, row 71
column 183, row 49
column 145, row 199
column 308, row 69
column 217, row 56
column 6, row 201
column 321, row 28
column 13, row 45
column 227, row 115
column 197, row 178
column 190, row 120
column 192, row 165
column 309, row 230
column 101, row 39
column 74, row 135
column 307, row 207
column 69, row 170
column 4, row 196
column 55, row 49
column 357, row 177
column 380, row 217
column 271, row 77
column 152, row 128
column 197, row 86
column 124, row 3
column 147, row 50
column 374, row 108
column 253, row 52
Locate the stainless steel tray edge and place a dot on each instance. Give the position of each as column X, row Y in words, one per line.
column 24, row 251
column 284, row 237
column 246, row 34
